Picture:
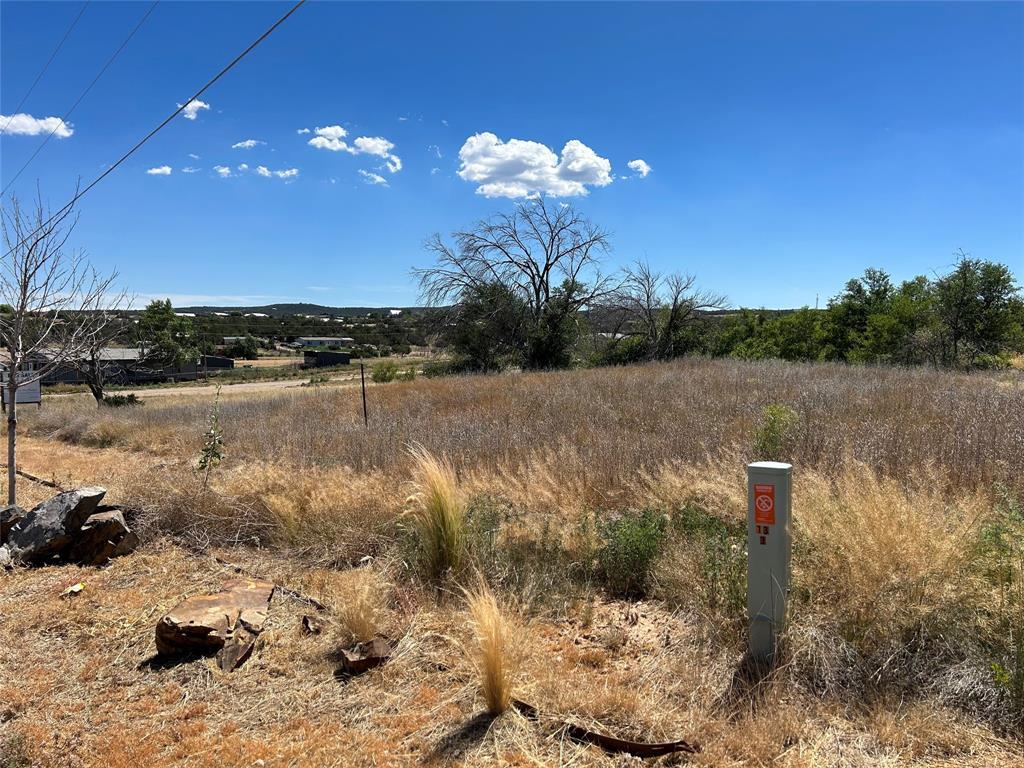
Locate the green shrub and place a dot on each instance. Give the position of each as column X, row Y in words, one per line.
column 629, row 546
column 1000, row 555
column 121, row 401
column 704, row 563
column 409, row 374
column 384, row 372
column 773, row 438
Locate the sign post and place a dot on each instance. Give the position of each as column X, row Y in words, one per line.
column 769, row 547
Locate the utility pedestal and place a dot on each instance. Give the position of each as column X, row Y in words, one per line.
column 769, row 547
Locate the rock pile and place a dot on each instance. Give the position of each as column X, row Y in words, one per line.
column 71, row 527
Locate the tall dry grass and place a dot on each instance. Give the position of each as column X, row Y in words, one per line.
column 496, row 651
column 583, row 437
column 437, row 515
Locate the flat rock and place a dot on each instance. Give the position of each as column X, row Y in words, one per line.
column 48, row 530
column 226, row 622
column 103, row 536
column 10, row 516
column 5, row 558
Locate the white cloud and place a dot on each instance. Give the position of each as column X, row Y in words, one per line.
column 190, row 169
column 519, row 168
column 319, row 288
column 436, row 150
column 373, row 178
column 332, row 137
column 374, row 145
column 193, row 156
column 640, row 167
column 288, row 173
column 434, row 171
column 247, row 144
column 444, row 123
column 301, row 131
column 192, row 109
column 402, row 119
column 160, row 170
column 222, row 170
column 243, row 167
column 21, row 124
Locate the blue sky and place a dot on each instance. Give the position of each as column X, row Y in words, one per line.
column 788, row 145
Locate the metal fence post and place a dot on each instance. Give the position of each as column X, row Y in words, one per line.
column 769, row 548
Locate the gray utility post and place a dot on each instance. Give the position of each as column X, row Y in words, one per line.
column 769, row 544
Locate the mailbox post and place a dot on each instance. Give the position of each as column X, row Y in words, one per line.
column 769, row 544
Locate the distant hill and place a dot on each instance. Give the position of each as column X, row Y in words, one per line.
column 288, row 310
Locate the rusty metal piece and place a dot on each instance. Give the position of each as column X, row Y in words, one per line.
column 610, row 743
column 365, row 656
column 226, row 622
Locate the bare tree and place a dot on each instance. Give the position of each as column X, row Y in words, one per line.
column 93, row 366
column 548, row 256
column 54, row 301
column 659, row 308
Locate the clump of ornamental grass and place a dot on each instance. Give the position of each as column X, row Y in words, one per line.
column 358, row 602
column 438, row 514
column 496, row 648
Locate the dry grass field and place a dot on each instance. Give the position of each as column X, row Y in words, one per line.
column 605, row 511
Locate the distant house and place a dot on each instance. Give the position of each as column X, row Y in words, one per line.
column 395, row 312
column 229, row 340
column 318, row 358
column 324, row 341
column 256, row 314
column 216, row 362
column 185, row 314
column 127, row 366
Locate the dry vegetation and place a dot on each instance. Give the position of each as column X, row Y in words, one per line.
column 904, row 645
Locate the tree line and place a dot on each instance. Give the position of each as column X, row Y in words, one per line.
column 526, row 289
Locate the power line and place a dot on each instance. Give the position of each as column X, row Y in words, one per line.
column 46, row 66
column 78, row 101
column 151, row 134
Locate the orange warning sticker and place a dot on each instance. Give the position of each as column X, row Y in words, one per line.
column 764, row 504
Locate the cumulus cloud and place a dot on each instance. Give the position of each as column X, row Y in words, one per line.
column 518, row 168
column 332, row 138
column 189, row 169
column 373, row 178
column 247, row 144
column 301, row 131
column 288, row 173
column 192, row 109
column 639, row 167
column 21, row 124
column 160, row 170
column 243, row 167
column 222, row 170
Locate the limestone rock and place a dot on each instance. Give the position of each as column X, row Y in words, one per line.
column 10, row 516
column 104, row 535
column 226, row 622
column 49, row 529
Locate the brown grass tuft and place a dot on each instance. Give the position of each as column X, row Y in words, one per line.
column 438, row 514
column 496, row 651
